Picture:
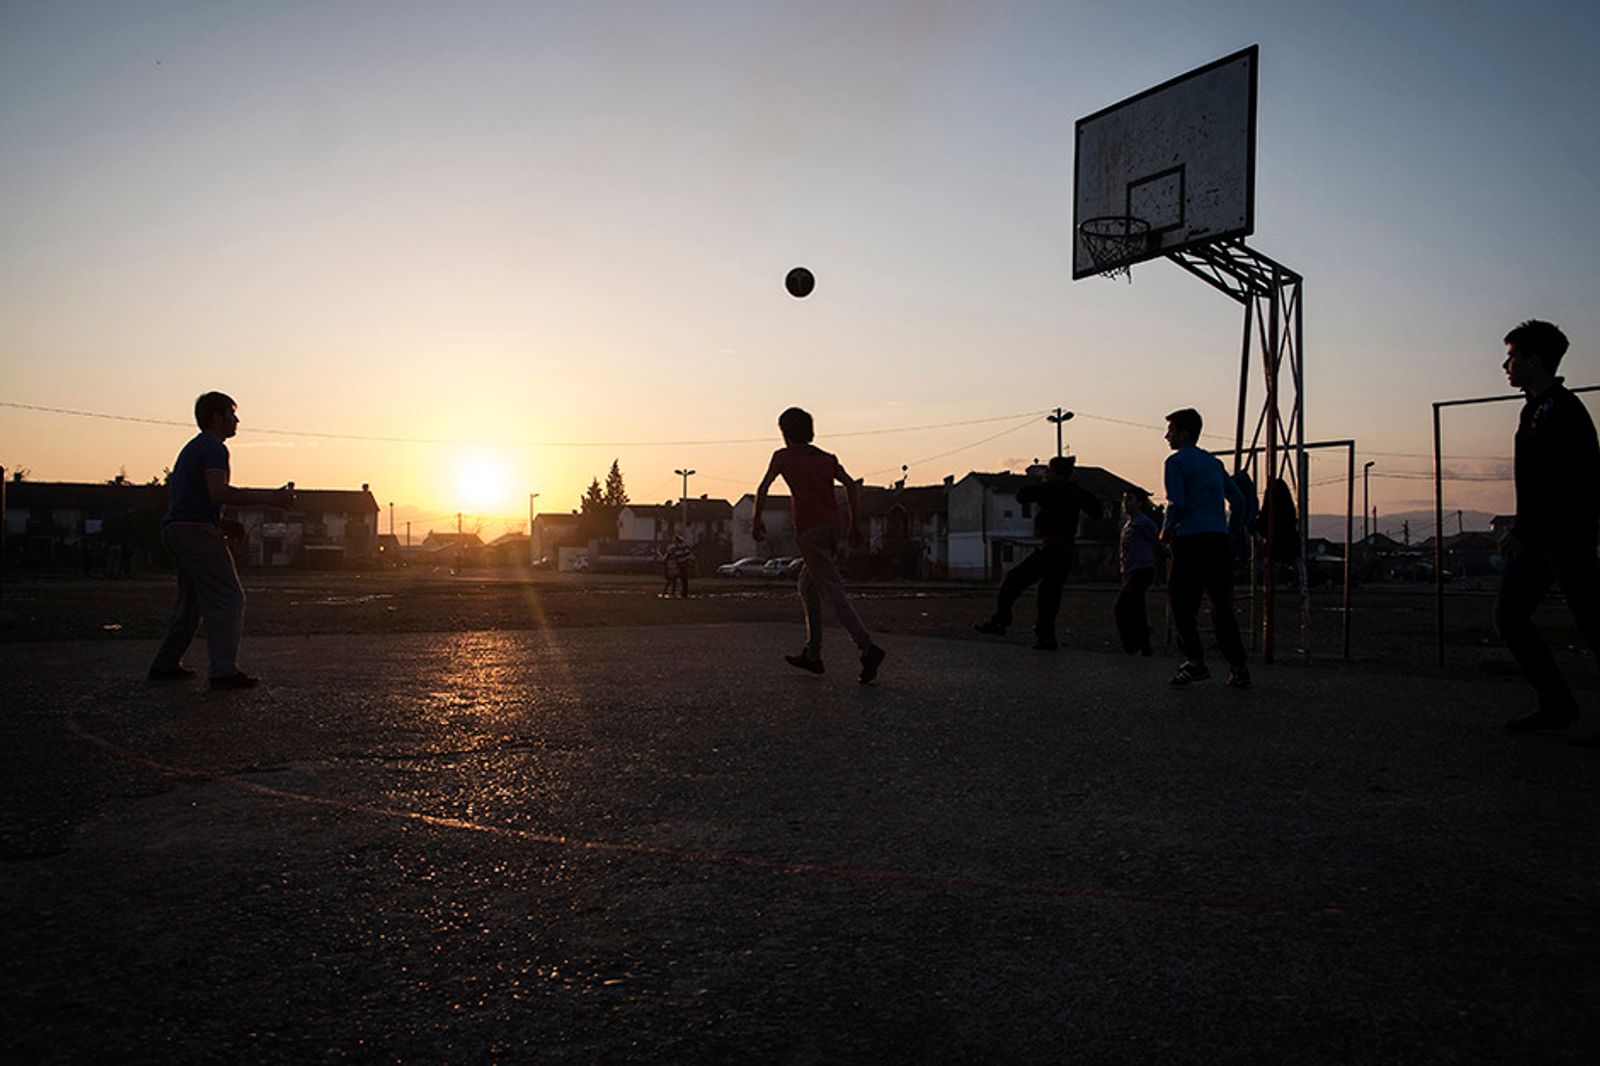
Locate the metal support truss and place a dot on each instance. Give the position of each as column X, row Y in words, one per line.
column 1271, row 296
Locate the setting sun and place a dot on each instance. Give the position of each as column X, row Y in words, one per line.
column 483, row 485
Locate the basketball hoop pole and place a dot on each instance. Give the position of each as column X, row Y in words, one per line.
column 1270, row 293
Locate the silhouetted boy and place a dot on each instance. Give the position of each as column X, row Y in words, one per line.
column 810, row 474
column 1059, row 503
column 1553, row 539
column 1136, row 559
column 678, row 560
column 1202, row 558
column 208, row 584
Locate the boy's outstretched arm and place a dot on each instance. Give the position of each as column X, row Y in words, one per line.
column 222, row 493
column 1236, row 503
column 758, row 528
column 852, row 501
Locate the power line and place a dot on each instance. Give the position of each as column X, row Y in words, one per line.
column 385, row 439
column 964, row 447
column 1408, row 476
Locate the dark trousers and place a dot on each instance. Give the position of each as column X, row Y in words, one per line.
column 1133, row 624
column 208, row 588
column 1047, row 564
column 1570, row 562
column 1202, row 565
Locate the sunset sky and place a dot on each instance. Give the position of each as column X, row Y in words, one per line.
column 521, row 240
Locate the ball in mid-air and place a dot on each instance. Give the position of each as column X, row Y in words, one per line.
column 799, row 282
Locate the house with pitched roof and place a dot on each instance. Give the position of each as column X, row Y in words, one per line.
column 326, row 529
column 990, row 530
column 709, row 521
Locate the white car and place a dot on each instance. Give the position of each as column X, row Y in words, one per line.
column 742, row 567
column 780, row 566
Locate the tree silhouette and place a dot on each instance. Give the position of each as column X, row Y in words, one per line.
column 616, row 496
column 599, row 521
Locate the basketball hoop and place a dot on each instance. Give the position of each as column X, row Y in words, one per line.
column 1112, row 241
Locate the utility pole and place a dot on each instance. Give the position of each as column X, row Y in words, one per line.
column 1459, row 525
column 684, row 473
column 408, row 534
column 391, row 518
column 532, row 558
column 1366, row 471
column 1059, row 417
column 1405, row 532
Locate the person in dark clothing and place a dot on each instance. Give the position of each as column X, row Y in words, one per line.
column 1137, row 563
column 678, row 559
column 192, row 533
column 1059, row 503
column 1554, row 536
column 1200, row 496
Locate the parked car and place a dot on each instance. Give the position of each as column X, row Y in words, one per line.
column 1326, row 569
column 1412, row 569
column 781, row 566
column 746, row 567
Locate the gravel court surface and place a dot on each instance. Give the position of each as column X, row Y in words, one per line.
column 639, row 842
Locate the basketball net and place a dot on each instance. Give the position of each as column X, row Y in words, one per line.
column 1112, row 241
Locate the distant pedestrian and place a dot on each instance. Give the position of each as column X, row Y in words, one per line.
column 669, row 571
column 1553, row 538
column 1196, row 529
column 678, row 559
column 1060, row 504
column 191, row 531
column 1137, row 564
column 810, row 474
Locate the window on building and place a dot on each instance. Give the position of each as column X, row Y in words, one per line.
column 1005, row 514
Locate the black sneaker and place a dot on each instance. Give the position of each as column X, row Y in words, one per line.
column 1542, row 721
column 234, row 681
column 169, row 673
column 991, row 627
column 1238, row 678
column 804, row 662
column 1189, row 673
column 1045, row 644
column 871, row 659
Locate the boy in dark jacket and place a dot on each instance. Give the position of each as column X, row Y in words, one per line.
column 1553, row 539
column 1059, row 503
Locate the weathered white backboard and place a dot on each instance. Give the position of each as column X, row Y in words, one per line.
column 1180, row 156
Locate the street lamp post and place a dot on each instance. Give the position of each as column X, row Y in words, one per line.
column 532, row 558
column 1059, row 417
column 685, row 473
column 1366, row 507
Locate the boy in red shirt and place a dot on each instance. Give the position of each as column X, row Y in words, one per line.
column 810, row 473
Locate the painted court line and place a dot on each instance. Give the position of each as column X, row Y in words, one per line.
column 846, row 873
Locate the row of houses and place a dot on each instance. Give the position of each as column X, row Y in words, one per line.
column 970, row 528
column 115, row 527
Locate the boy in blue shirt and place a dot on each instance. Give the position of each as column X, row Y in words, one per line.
column 1202, row 558
column 191, row 531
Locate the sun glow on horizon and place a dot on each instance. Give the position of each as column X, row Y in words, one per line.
column 483, row 485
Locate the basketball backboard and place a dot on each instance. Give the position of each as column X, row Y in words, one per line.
column 1181, row 157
